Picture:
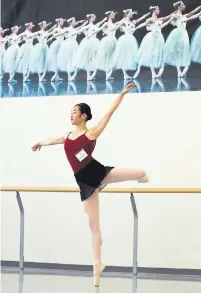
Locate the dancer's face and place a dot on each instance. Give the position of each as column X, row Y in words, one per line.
column 76, row 117
column 182, row 6
column 93, row 18
column 16, row 30
column 44, row 26
column 112, row 15
column 130, row 14
column 157, row 11
column 61, row 23
column 1, row 32
column 73, row 22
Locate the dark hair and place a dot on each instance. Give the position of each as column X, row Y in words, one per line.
column 85, row 108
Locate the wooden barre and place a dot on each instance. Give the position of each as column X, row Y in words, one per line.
column 107, row 190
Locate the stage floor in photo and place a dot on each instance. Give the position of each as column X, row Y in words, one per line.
column 144, row 84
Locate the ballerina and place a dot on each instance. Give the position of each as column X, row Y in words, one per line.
column 23, row 58
column 3, row 41
column 104, row 60
column 177, row 46
column 127, row 44
column 151, row 51
column 10, row 57
column 39, row 52
column 53, row 51
column 196, row 42
column 69, row 47
column 88, row 48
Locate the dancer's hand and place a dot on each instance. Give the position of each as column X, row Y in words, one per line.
column 128, row 88
column 36, row 147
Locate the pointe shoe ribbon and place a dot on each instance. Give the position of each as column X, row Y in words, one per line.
column 97, row 269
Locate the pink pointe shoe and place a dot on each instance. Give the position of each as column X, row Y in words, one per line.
column 97, row 271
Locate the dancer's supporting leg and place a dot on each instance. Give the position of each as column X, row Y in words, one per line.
column 93, row 75
column 91, row 207
column 185, row 70
column 56, row 77
column 108, row 75
column 74, row 75
column 153, row 73
column 179, row 71
column 160, row 72
column 126, row 76
column 137, row 72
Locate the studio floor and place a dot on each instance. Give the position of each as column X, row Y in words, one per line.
column 60, row 282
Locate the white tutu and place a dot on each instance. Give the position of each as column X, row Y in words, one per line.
column 38, row 58
column 67, row 54
column 10, row 58
column 86, row 54
column 125, row 53
column 105, row 53
column 52, row 55
column 23, row 58
column 151, row 51
column 196, row 46
column 177, row 46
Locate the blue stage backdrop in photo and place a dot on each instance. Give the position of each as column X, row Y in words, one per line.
column 51, row 47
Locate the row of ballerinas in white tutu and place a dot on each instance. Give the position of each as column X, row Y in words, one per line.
column 65, row 55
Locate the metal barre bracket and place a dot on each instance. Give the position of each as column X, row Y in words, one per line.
column 135, row 233
column 21, row 260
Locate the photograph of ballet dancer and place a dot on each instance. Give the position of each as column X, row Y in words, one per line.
column 74, row 48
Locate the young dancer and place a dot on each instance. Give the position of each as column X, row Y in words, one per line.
column 91, row 175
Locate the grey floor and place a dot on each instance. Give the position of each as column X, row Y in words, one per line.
column 60, row 283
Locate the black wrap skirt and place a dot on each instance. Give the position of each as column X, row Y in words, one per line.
column 90, row 178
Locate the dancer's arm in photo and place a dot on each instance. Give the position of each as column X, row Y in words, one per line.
column 80, row 30
column 96, row 131
column 165, row 18
column 173, row 17
column 141, row 18
column 193, row 12
column 98, row 24
column 79, row 22
column 118, row 25
column 193, row 17
column 144, row 24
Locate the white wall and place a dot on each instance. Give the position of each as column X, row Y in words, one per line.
column 157, row 132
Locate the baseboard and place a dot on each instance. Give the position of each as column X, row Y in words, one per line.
column 109, row 269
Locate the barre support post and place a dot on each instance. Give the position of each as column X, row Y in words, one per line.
column 135, row 233
column 21, row 257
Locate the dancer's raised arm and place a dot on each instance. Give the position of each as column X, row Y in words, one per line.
column 95, row 132
column 141, row 18
column 101, row 22
column 169, row 21
column 193, row 12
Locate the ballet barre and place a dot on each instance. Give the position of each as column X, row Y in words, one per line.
column 130, row 191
